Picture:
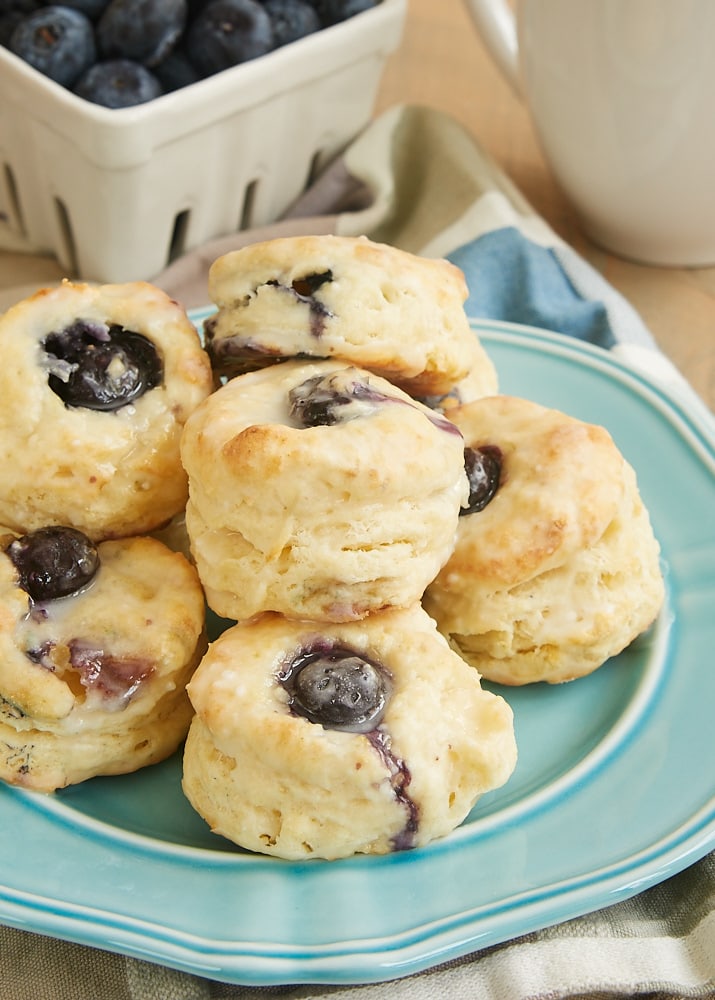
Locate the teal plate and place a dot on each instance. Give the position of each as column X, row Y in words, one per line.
column 613, row 791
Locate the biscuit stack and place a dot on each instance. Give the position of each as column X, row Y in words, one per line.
column 100, row 625
column 323, row 498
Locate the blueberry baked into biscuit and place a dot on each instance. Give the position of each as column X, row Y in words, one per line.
column 374, row 306
column 319, row 491
column 97, row 643
column 556, row 567
column 95, row 386
column 324, row 741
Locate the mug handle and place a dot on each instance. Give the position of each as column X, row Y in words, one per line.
column 496, row 25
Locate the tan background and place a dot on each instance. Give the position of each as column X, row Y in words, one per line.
column 442, row 63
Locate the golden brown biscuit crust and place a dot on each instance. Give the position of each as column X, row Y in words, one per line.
column 560, row 571
column 369, row 304
column 561, row 483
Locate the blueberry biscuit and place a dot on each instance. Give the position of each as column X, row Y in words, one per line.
column 314, row 741
column 319, row 491
column 97, row 643
column 556, row 567
column 95, row 386
column 369, row 304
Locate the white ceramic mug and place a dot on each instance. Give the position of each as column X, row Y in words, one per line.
column 622, row 97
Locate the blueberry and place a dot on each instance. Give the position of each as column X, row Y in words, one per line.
column 352, row 7
column 56, row 41
column 291, row 20
column 307, row 285
column 175, row 71
column 228, row 32
column 21, row 7
column 92, row 8
column 99, row 367
column 195, row 7
column 144, row 31
column 324, row 400
column 118, row 83
column 8, row 23
column 333, row 11
column 483, row 467
column 314, row 403
column 338, row 688
column 53, row 562
column 304, row 289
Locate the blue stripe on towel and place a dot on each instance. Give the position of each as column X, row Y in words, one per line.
column 511, row 278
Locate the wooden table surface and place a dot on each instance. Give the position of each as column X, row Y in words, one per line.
column 442, row 63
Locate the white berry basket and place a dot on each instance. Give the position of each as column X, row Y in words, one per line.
column 115, row 195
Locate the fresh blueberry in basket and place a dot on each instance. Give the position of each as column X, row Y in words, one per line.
column 8, row 23
column 53, row 562
column 291, row 20
column 92, row 8
column 179, row 41
column 118, row 83
column 56, row 41
column 11, row 13
column 142, row 30
column 226, row 33
column 175, row 71
column 21, row 7
column 334, row 11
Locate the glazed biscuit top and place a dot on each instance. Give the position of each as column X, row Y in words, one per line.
column 36, row 369
column 385, row 309
column 560, row 484
column 119, row 641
